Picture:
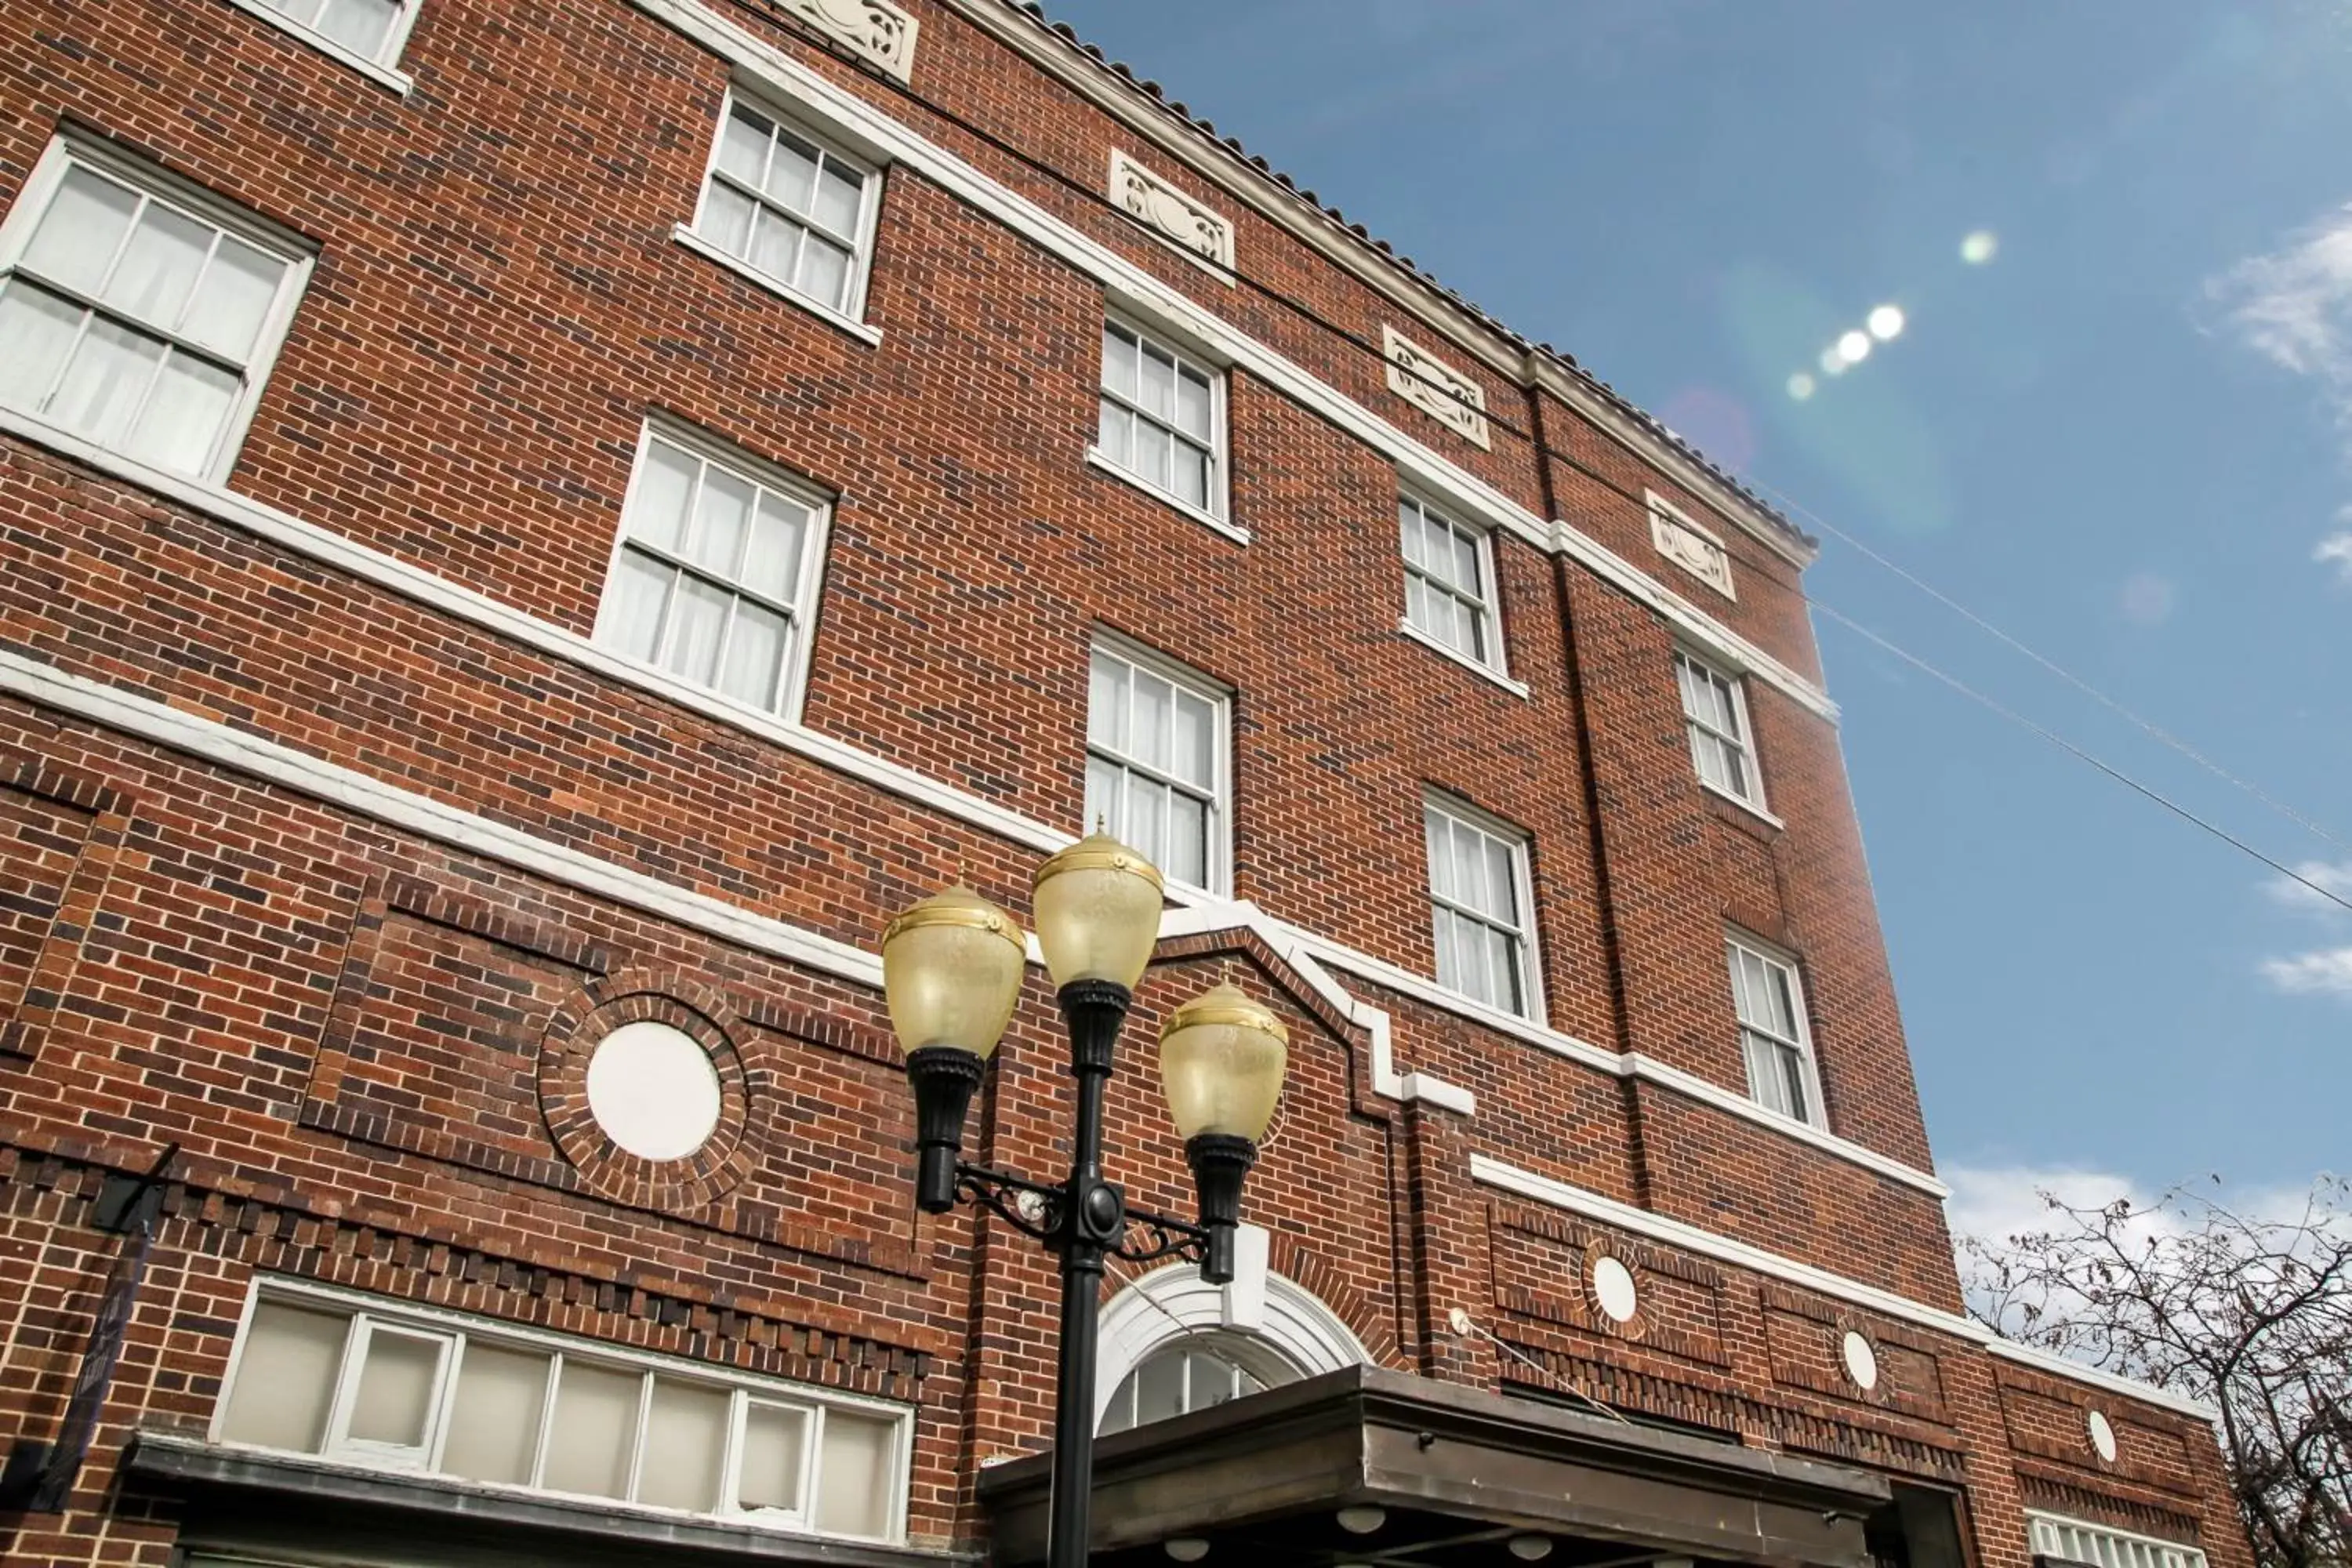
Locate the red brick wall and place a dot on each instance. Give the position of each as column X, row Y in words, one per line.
column 369, row 1045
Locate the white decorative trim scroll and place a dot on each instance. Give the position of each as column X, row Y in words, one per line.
column 1690, row 547
column 1185, row 223
column 875, row 29
column 1436, row 388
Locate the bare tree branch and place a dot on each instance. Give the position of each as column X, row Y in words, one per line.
column 2251, row 1315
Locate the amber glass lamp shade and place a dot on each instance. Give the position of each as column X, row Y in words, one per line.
column 1098, row 910
column 951, row 970
column 1221, row 1060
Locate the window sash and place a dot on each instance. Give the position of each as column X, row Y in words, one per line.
column 1482, row 944
column 1207, row 445
column 1115, row 747
column 1715, row 711
column 1435, row 571
column 2078, row 1541
column 854, row 237
column 313, row 20
column 453, row 1340
column 1776, row 1040
column 171, row 376
column 659, row 587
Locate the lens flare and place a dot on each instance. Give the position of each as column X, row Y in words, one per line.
column 1885, row 323
column 1853, row 347
column 1979, row 248
column 1801, row 386
column 1830, row 363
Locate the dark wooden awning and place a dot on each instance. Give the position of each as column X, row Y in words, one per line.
column 1454, row 1471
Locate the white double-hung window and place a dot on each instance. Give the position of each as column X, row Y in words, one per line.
column 138, row 311
column 1715, row 711
column 1163, row 419
column 362, row 32
column 1774, row 1036
column 793, row 210
column 1157, row 768
column 1479, row 906
column 1449, row 583
column 380, row 1385
column 714, row 578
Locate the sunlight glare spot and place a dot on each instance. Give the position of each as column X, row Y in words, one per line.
column 1853, row 347
column 1829, row 361
column 1801, row 386
column 1979, row 248
column 1885, row 323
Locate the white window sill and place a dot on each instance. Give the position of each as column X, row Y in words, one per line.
column 382, row 74
column 1518, row 688
column 1198, row 514
column 735, row 264
column 1749, row 806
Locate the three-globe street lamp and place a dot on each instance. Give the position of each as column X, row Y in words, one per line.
column 951, row 970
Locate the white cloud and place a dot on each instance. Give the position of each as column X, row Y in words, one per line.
column 2294, row 308
column 1993, row 1202
column 2336, row 879
column 2295, row 305
column 2326, row 973
column 2335, row 550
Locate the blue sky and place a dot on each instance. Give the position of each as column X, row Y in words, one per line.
column 2124, row 439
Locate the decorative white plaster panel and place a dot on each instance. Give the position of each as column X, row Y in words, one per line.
column 1193, row 228
column 875, row 29
column 1436, row 388
column 1691, row 547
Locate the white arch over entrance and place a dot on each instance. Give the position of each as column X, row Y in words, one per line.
column 1171, row 1303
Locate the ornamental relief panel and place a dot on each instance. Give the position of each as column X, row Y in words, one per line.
column 1193, row 228
column 876, row 29
column 1436, row 388
column 1692, row 548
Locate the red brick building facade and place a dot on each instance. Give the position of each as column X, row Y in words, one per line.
column 524, row 522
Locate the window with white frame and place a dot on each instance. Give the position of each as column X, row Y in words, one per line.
column 1449, row 582
column 1156, row 762
column 1162, row 418
column 371, row 1383
column 714, row 577
column 1479, row 907
column 1198, row 1372
column 794, row 210
column 1773, row 1034
column 369, row 30
column 1715, row 711
column 2073, row 1540
column 138, row 313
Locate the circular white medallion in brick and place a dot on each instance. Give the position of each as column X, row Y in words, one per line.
column 1613, row 1287
column 653, row 1091
column 1861, row 1360
column 2103, row 1435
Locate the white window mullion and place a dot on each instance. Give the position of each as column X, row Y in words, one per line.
column 546, row 1418
column 640, row 1433
column 227, row 325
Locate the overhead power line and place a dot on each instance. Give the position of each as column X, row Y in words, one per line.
column 2063, row 744
column 2148, row 726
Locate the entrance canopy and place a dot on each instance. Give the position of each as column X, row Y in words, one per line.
column 1366, row 1466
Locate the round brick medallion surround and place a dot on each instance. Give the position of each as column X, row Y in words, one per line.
column 648, row 1022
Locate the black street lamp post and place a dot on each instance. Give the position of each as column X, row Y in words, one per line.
column 952, row 968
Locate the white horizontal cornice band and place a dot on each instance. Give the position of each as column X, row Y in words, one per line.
column 1558, row 1194
column 1634, row 1065
column 1420, row 464
column 378, row 801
